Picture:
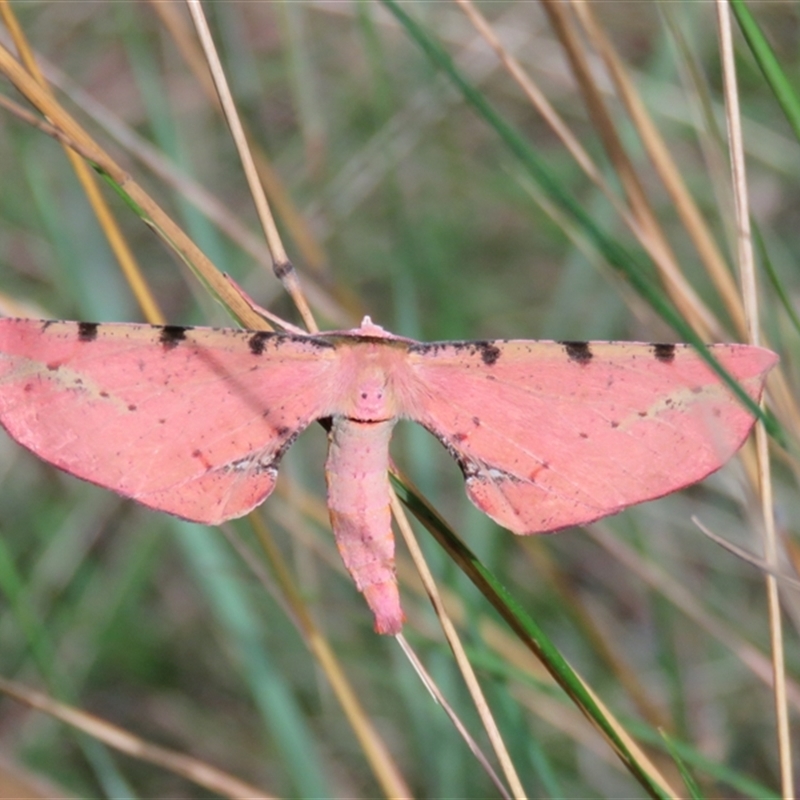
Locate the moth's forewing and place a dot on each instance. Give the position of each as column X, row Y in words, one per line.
column 192, row 421
column 553, row 434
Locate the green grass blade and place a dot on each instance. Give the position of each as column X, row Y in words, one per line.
column 240, row 624
column 770, row 65
column 635, row 268
column 524, row 627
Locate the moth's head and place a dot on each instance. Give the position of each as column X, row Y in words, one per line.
column 372, row 398
column 368, row 374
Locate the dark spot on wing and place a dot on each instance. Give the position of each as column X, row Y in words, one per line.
column 132, row 407
column 424, row 348
column 314, row 341
column 459, row 437
column 200, row 456
column 104, row 394
column 642, row 413
column 87, row 331
column 52, row 366
column 489, row 352
column 476, row 421
column 283, row 431
column 279, row 453
column 537, row 471
column 578, row 351
column 614, row 423
column 664, row 352
column 172, row 335
column 584, row 435
column 256, row 342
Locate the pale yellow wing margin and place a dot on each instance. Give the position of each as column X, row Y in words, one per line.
column 192, row 421
column 553, row 434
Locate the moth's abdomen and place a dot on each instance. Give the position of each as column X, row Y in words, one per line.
column 358, row 500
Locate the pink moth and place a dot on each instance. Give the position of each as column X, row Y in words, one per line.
column 194, row 421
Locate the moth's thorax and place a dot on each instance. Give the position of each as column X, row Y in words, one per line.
column 368, row 386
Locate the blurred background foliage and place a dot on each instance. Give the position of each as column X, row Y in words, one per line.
column 410, row 206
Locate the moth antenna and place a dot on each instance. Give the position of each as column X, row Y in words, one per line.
column 261, row 311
